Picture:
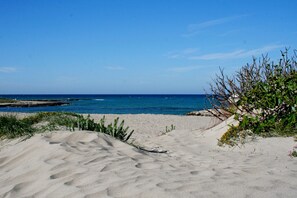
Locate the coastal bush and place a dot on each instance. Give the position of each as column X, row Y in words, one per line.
column 12, row 127
column 262, row 96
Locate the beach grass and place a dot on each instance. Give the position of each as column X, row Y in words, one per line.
column 12, row 127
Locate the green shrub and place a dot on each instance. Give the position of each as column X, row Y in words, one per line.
column 262, row 96
column 276, row 101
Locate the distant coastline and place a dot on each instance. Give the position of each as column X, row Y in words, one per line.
column 169, row 104
column 30, row 103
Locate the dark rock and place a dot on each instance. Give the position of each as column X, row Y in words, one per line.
column 33, row 103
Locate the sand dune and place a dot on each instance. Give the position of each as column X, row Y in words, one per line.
column 87, row 164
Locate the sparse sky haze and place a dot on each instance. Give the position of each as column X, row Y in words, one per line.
column 133, row 46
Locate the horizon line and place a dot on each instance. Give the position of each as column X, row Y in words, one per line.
column 106, row 94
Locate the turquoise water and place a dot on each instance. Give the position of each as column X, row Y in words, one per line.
column 116, row 104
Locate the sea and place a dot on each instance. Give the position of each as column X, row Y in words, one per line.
column 116, row 104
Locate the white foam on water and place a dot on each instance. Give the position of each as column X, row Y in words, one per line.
column 99, row 99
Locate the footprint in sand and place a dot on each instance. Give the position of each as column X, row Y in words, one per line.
column 194, row 172
column 61, row 174
column 147, row 165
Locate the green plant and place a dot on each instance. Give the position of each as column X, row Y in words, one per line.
column 230, row 136
column 262, row 96
column 276, row 101
column 169, row 129
column 294, row 153
column 113, row 129
column 235, row 135
column 11, row 126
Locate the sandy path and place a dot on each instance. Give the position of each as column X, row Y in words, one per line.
column 85, row 164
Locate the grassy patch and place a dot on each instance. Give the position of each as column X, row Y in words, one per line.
column 235, row 135
column 12, row 127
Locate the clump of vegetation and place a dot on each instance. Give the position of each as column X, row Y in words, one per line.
column 261, row 95
column 12, row 127
column 234, row 136
column 170, row 128
column 293, row 153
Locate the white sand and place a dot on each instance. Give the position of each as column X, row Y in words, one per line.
column 87, row 164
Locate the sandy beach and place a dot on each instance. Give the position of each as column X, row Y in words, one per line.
column 88, row 164
column 148, row 99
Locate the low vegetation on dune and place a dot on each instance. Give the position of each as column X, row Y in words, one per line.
column 262, row 96
column 12, row 127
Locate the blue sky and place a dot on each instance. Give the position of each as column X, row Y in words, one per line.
column 135, row 46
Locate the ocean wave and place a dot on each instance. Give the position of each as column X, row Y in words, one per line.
column 99, row 99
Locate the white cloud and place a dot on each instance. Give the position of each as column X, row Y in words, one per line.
column 237, row 53
column 223, row 55
column 7, row 69
column 115, row 68
column 181, row 54
column 198, row 27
